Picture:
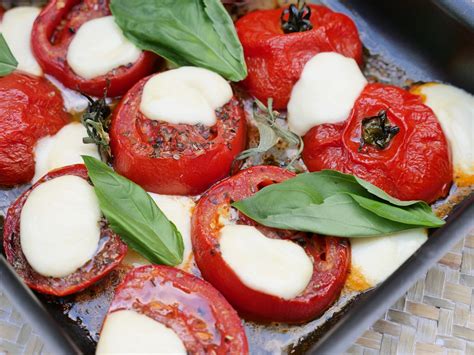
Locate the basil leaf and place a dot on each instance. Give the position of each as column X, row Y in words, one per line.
column 132, row 214
column 8, row 63
column 186, row 32
column 333, row 203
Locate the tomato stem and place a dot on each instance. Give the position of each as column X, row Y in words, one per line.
column 298, row 18
column 377, row 131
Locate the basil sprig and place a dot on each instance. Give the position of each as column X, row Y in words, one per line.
column 333, row 203
column 8, row 63
column 186, row 32
column 133, row 215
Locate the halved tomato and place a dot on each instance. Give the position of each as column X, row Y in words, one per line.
column 110, row 253
column 174, row 159
column 330, row 256
column 30, row 108
column 192, row 308
column 54, row 30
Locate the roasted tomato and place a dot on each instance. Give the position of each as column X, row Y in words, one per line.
column 330, row 256
column 111, row 252
column 193, row 309
column 275, row 59
column 52, row 33
column 174, row 159
column 390, row 139
column 30, row 108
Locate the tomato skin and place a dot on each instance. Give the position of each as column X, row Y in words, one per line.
column 153, row 290
column 415, row 166
column 30, row 108
column 328, row 276
column 110, row 254
column 50, row 45
column 170, row 171
column 275, row 60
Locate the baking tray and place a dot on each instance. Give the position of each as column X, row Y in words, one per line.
column 395, row 53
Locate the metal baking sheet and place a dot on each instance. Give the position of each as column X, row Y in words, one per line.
column 71, row 324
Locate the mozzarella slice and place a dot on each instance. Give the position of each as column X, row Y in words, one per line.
column 64, row 148
column 98, row 47
column 273, row 266
column 129, row 332
column 325, row 93
column 59, row 226
column 16, row 29
column 454, row 109
column 178, row 209
column 186, row 95
column 375, row 259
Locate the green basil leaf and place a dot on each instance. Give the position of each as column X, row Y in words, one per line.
column 332, row 203
column 133, row 215
column 8, row 63
column 186, row 32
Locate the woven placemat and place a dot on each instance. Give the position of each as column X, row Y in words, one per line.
column 436, row 316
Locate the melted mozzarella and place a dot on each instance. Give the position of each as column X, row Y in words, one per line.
column 98, row 47
column 325, row 93
column 375, row 259
column 186, row 95
column 16, row 28
column 273, row 266
column 178, row 209
column 64, row 148
column 454, row 109
column 59, row 226
column 129, row 332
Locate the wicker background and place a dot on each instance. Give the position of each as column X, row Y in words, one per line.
column 436, row 316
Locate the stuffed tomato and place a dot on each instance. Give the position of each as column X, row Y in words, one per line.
column 55, row 236
column 178, row 132
column 266, row 274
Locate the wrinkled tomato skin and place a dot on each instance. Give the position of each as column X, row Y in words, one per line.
column 111, row 252
column 192, row 308
column 54, row 30
column 329, row 273
column 30, row 108
column 416, row 165
column 275, row 60
column 174, row 172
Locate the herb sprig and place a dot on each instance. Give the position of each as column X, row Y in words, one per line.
column 8, row 63
column 271, row 132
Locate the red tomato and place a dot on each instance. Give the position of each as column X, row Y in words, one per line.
column 192, row 308
column 30, row 108
column 275, row 60
column 54, row 30
column 174, row 159
column 331, row 256
column 111, row 252
column 416, row 165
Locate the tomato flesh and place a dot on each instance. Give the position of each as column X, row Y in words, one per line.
column 275, row 60
column 30, row 108
column 330, row 256
column 416, row 165
column 192, row 308
column 54, row 30
column 174, row 159
column 109, row 255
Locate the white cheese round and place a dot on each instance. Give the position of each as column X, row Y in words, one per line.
column 98, row 47
column 129, row 332
column 273, row 266
column 59, row 226
column 16, row 29
column 179, row 210
column 187, row 95
column 454, row 109
column 325, row 93
column 62, row 149
column 377, row 258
